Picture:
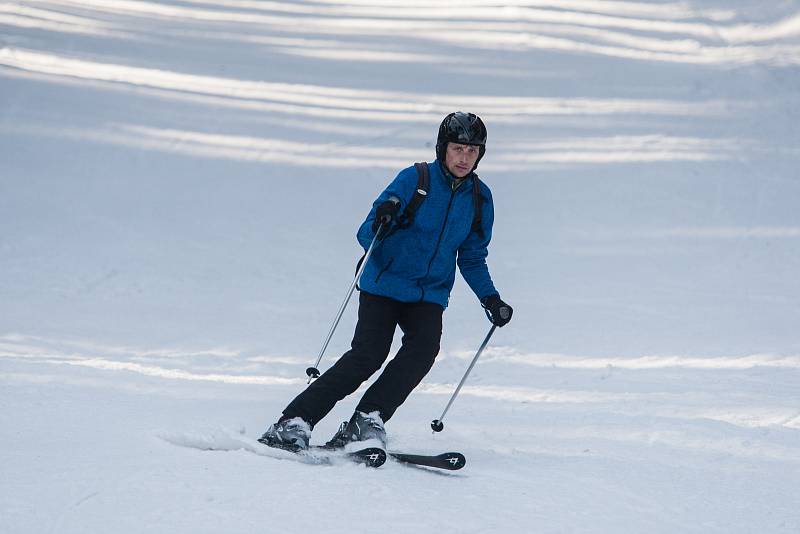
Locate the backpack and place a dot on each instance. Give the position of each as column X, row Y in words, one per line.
column 423, row 186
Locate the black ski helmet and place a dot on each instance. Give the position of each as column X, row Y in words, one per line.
column 464, row 128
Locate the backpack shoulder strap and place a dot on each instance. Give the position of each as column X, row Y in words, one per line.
column 423, row 186
column 477, row 201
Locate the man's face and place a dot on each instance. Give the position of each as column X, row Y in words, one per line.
column 460, row 159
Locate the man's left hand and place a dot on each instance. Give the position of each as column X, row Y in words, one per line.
column 500, row 312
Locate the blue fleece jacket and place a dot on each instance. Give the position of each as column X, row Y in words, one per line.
column 418, row 263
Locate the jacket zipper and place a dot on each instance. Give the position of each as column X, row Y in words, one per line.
column 436, row 250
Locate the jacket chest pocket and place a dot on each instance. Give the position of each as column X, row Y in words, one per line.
column 459, row 223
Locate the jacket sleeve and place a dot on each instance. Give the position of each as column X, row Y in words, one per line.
column 402, row 187
column 473, row 251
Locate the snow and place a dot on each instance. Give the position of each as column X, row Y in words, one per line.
column 180, row 185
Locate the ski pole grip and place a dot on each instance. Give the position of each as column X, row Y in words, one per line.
column 387, row 218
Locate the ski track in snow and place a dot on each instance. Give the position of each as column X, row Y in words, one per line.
column 180, row 182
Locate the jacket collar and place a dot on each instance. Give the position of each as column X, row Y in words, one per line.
column 449, row 178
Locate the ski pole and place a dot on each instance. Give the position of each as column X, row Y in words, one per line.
column 437, row 424
column 313, row 372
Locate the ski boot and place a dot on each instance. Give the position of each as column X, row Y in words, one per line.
column 288, row 434
column 361, row 427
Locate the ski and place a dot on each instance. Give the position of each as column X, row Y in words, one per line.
column 450, row 461
column 224, row 440
column 318, row 455
column 371, row 456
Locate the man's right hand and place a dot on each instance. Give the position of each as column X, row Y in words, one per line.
column 385, row 213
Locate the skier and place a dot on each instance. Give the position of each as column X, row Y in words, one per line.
column 406, row 282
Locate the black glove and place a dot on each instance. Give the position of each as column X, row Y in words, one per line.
column 499, row 312
column 385, row 213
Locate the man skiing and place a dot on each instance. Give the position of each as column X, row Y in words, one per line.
column 421, row 237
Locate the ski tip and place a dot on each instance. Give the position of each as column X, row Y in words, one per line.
column 451, row 461
column 455, row 460
column 371, row 456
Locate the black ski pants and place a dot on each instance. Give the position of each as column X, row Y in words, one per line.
column 421, row 323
